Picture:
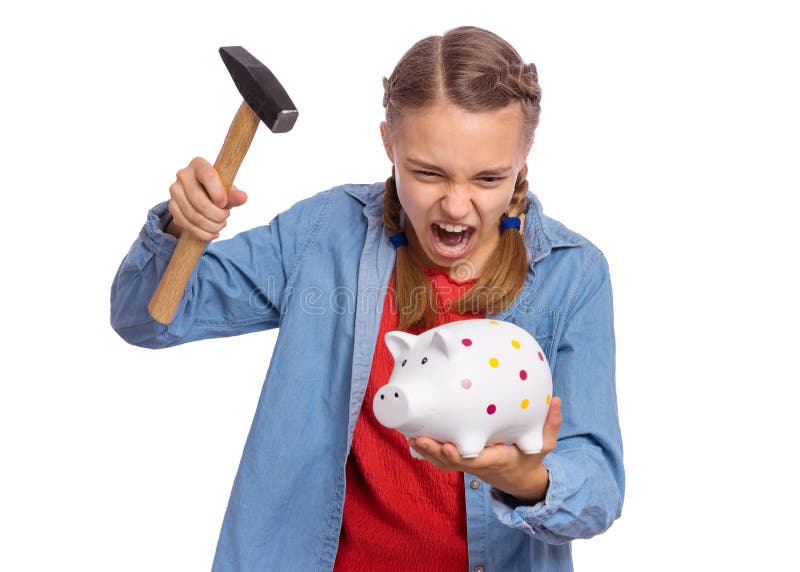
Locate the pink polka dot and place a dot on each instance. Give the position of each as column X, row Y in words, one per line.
column 466, row 383
column 491, row 409
column 467, row 342
column 541, row 357
column 523, row 375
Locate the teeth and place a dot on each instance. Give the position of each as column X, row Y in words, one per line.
column 452, row 227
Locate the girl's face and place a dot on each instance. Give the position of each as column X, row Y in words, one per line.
column 455, row 172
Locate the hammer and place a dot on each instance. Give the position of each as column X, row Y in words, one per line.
column 265, row 100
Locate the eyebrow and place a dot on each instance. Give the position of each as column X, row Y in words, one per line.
column 424, row 165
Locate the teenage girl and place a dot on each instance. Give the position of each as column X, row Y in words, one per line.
column 454, row 233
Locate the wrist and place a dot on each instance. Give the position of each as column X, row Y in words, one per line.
column 531, row 487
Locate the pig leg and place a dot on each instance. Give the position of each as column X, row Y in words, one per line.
column 470, row 446
column 531, row 442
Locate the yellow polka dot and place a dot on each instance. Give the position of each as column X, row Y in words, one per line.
column 547, row 401
column 525, row 404
column 494, row 362
column 494, row 322
column 515, row 343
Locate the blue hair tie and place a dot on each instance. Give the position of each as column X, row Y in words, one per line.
column 509, row 222
column 398, row 239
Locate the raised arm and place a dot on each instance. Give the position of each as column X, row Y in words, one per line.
column 237, row 286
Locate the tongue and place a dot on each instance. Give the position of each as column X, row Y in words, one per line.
column 450, row 238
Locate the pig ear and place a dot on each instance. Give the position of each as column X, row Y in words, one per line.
column 399, row 342
column 442, row 342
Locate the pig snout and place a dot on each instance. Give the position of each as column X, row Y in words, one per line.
column 392, row 406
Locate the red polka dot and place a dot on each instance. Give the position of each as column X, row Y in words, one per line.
column 467, row 342
column 523, row 375
column 541, row 357
column 491, row 409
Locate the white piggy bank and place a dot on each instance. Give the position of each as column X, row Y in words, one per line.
column 471, row 382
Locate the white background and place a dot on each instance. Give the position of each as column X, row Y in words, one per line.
column 668, row 136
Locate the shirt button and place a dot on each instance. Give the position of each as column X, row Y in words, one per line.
column 479, row 569
column 474, row 484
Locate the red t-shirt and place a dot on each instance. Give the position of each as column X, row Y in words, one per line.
column 401, row 513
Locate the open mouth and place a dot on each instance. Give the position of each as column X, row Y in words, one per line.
column 451, row 241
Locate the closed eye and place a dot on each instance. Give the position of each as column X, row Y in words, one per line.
column 427, row 174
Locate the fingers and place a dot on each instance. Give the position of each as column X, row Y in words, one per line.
column 430, row 449
column 186, row 217
column 204, row 173
column 446, row 456
column 203, row 190
column 199, row 202
column 450, row 453
column 236, row 197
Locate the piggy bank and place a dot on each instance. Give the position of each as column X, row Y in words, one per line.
column 470, row 382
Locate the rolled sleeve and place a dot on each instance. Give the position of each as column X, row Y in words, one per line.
column 530, row 519
column 586, row 473
column 152, row 234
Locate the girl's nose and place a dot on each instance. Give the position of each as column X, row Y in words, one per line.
column 457, row 202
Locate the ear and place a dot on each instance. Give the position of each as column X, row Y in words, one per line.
column 399, row 342
column 387, row 146
column 443, row 342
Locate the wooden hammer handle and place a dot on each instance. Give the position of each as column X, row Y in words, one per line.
column 170, row 289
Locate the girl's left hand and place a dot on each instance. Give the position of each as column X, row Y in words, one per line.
column 504, row 467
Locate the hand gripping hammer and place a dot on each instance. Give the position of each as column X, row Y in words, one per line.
column 264, row 100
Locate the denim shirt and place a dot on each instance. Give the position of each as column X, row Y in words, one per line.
column 319, row 271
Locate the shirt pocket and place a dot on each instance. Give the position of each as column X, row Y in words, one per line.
column 542, row 325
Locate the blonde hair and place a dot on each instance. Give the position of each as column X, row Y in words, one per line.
column 478, row 71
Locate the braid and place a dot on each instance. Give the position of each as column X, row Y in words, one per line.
column 391, row 207
column 515, row 208
column 414, row 299
column 521, row 81
column 519, row 203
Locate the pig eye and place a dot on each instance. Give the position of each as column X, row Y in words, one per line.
column 424, row 360
column 404, row 363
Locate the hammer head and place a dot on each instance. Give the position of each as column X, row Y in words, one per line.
column 260, row 89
